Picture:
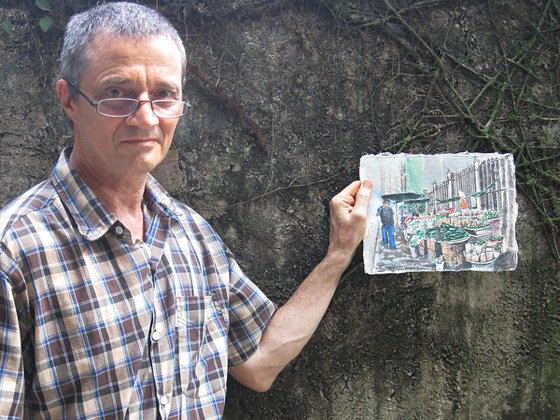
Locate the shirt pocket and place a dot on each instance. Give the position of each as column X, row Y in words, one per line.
column 202, row 345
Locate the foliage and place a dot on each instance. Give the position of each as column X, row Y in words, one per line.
column 45, row 22
column 43, row 5
column 7, row 25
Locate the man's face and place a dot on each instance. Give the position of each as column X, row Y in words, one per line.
column 145, row 69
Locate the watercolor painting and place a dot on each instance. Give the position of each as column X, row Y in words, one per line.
column 444, row 212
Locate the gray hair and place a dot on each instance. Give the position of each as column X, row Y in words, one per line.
column 120, row 19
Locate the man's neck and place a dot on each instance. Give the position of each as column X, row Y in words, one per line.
column 122, row 196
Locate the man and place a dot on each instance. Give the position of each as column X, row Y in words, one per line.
column 116, row 300
column 385, row 212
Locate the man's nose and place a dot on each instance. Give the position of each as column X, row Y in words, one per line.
column 144, row 114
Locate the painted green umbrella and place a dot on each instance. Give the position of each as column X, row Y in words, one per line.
column 419, row 200
column 449, row 200
column 401, row 196
column 484, row 191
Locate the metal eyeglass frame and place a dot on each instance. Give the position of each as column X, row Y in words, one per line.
column 186, row 105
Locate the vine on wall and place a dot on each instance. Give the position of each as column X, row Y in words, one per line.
column 510, row 105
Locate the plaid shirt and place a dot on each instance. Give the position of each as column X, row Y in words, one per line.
column 95, row 325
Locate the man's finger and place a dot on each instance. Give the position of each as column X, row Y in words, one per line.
column 363, row 195
column 351, row 190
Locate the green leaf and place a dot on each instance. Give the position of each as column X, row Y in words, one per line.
column 7, row 25
column 45, row 23
column 43, row 5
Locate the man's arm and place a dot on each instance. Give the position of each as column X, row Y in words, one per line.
column 294, row 323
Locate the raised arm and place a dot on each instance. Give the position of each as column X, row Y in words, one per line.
column 294, row 323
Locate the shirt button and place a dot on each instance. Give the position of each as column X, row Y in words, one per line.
column 119, row 230
column 156, row 335
column 163, row 400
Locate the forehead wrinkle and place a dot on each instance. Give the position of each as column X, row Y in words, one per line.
column 121, row 81
column 99, row 40
column 137, row 69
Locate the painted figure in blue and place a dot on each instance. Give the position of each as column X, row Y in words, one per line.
column 387, row 224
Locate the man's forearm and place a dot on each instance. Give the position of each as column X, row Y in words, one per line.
column 292, row 325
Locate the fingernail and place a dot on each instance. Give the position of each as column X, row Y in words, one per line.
column 368, row 184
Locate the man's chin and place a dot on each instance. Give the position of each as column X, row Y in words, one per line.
column 145, row 163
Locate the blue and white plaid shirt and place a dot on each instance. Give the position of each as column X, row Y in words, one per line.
column 95, row 325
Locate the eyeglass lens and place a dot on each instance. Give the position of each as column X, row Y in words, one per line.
column 126, row 107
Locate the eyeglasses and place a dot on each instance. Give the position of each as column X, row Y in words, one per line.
column 125, row 107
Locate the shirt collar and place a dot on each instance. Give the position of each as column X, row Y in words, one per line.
column 91, row 216
column 158, row 199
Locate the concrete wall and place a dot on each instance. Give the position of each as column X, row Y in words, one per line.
column 326, row 86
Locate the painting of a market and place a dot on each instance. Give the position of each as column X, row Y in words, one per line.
column 447, row 212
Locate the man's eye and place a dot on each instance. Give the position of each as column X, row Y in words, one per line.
column 165, row 94
column 114, row 93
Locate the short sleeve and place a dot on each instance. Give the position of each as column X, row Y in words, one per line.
column 11, row 362
column 249, row 311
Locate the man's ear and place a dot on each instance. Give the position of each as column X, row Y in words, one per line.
column 63, row 93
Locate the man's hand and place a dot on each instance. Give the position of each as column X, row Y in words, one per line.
column 348, row 220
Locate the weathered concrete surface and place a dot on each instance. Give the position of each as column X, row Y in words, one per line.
column 447, row 345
